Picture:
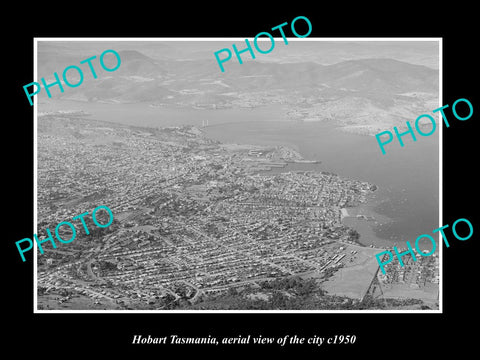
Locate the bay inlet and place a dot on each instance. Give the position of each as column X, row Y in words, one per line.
column 405, row 205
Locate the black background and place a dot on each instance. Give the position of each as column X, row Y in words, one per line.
column 56, row 335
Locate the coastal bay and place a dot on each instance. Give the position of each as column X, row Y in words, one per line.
column 405, row 204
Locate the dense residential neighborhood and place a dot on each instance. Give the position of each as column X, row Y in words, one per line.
column 193, row 218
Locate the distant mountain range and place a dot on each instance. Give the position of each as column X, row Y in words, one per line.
column 377, row 85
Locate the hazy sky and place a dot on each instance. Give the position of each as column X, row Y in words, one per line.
column 298, row 50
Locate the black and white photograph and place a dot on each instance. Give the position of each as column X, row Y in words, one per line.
column 209, row 180
column 262, row 187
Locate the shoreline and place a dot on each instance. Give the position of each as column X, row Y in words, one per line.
column 364, row 219
column 365, row 228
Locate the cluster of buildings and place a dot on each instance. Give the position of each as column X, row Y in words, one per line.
column 416, row 274
column 191, row 216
